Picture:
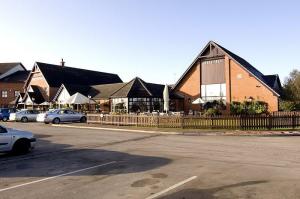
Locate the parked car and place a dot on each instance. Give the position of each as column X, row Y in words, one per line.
column 41, row 117
column 63, row 115
column 24, row 116
column 17, row 141
column 5, row 113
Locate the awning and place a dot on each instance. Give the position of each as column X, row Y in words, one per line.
column 78, row 98
column 198, row 101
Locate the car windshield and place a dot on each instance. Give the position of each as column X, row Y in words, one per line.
column 53, row 111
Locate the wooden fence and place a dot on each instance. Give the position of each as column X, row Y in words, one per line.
column 248, row 122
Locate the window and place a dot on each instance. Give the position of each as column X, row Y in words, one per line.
column 212, row 92
column 4, row 94
column 17, row 93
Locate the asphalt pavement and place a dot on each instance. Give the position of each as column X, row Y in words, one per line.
column 87, row 163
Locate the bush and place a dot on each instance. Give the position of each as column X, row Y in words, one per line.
column 248, row 108
column 212, row 112
column 289, row 106
column 213, row 108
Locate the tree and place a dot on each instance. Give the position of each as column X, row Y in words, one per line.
column 291, row 86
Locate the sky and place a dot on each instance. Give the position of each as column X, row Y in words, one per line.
column 155, row 40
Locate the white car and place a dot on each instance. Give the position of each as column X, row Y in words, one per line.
column 41, row 117
column 17, row 141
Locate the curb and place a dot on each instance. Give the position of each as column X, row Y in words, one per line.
column 115, row 129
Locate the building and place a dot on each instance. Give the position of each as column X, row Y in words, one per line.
column 45, row 80
column 219, row 74
column 133, row 96
column 12, row 79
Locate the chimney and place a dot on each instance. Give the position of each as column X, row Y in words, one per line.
column 62, row 62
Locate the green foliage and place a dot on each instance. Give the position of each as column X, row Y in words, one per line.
column 213, row 108
column 289, row 106
column 212, row 112
column 291, row 87
column 250, row 108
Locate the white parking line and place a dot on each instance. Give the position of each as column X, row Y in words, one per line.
column 172, row 187
column 117, row 129
column 50, row 178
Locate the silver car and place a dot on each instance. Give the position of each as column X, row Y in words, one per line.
column 63, row 115
column 16, row 140
column 25, row 116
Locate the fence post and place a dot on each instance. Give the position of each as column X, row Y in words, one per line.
column 270, row 122
column 137, row 120
column 294, row 120
column 157, row 121
column 182, row 122
column 212, row 122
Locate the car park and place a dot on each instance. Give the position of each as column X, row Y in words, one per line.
column 63, row 115
column 24, row 116
column 17, row 141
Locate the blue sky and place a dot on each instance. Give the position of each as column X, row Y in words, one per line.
column 155, row 39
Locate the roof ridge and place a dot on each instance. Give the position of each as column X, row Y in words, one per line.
column 123, row 87
column 142, row 82
column 72, row 67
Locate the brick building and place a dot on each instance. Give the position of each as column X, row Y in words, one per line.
column 219, row 74
column 12, row 79
column 45, row 80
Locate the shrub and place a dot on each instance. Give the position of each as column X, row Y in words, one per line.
column 213, row 108
column 212, row 112
column 289, row 106
column 254, row 107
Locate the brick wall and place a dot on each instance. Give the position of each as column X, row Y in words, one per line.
column 190, row 88
column 10, row 88
column 243, row 85
column 37, row 79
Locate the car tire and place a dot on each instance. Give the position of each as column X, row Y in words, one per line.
column 56, row 120
column 46, row 122
column 21, row 146
column 24, row 119
column 5, row 119
column 83, row 120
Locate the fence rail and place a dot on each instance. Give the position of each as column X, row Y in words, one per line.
column 249, row 122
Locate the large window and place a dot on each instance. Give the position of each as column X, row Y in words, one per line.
column 211, row 92
column 139, row 104
column 119, row 105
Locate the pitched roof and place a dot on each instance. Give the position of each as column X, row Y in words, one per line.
column 4, row 67
column 274, row 82
column 106, row 90
column 36, row 95
column 56, row 75
column 139, row 88
column 247, row 66
column 19, row 76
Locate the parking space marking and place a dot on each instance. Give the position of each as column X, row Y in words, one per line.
column 172, row 187
column 53, row 177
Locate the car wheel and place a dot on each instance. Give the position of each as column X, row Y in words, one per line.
column 24, row 119
column 46, row 122
column 5, row 119
column 83, row 120
column 56, row 121
column 21, row 146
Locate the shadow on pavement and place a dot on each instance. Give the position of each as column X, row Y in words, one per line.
column 63, row 158
column 208, row 193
